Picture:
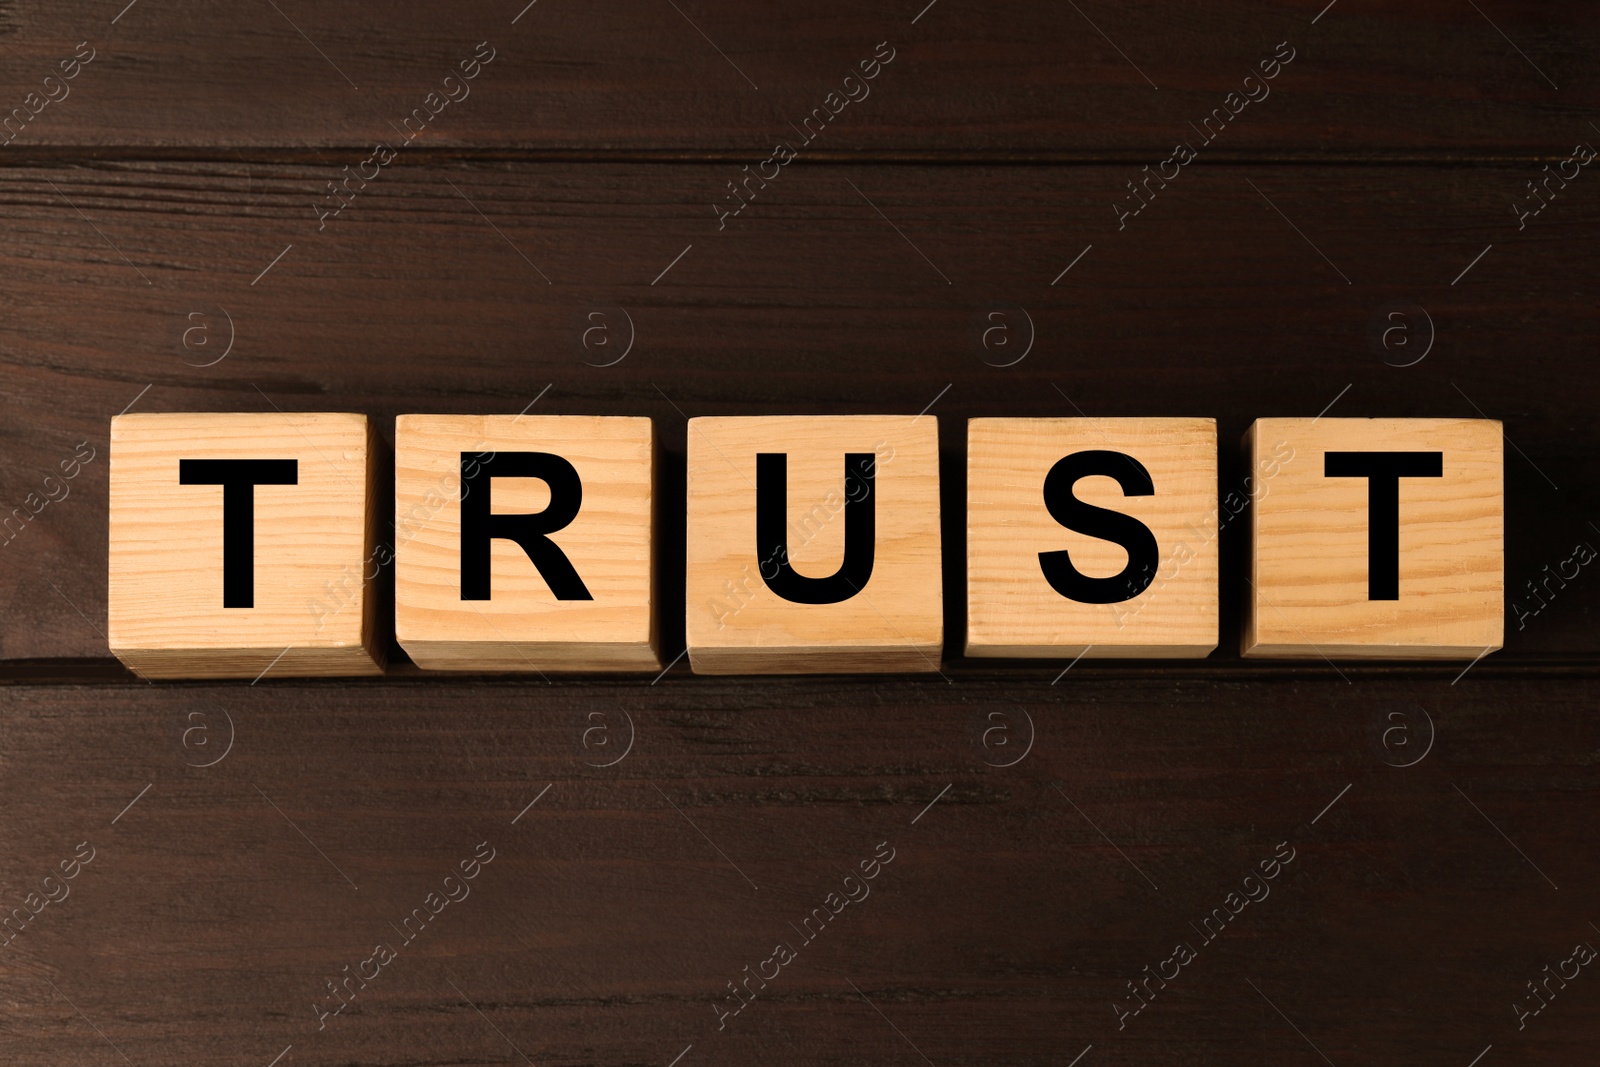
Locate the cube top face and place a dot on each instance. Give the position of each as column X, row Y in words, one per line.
column 1150, row 594
column 304, row 550
column 590, row 482
column 1376, row 538
column 855, row 548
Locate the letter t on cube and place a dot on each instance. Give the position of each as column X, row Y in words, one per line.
column 1376, row 538
column 525, row 543
column 241, row 543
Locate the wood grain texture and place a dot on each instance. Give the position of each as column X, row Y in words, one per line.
column 623, row 901
column 522, row 625
column 1434, row 79
column 309, row 601
column 1014, row 611
column 840, row 474
column 205, row 224
column 1312, row 537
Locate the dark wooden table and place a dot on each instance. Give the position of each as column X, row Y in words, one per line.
column 1054, row 837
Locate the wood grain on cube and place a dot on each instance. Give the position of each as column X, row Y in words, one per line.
column 736, row 624
column 313, row 610
column 1014, row 611
column 524, row 626
column 1310, row 586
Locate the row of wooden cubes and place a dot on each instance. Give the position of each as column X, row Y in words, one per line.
column 246, row 542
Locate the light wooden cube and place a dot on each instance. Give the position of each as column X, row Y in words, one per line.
column 893, row 620
column 302, row 590
column 596, row 474
column 1331, row 579
column 1143, row 585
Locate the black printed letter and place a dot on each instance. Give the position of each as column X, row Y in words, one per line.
column 238, row 478
column 532, row 532
column 1383, row 471
column 1125, row 530
column 772, row 539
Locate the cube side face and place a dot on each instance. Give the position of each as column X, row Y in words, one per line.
column 1250, row 459
column 609, row 542
column 377, row 602
column 736, row 623
column 311, row 611
column 1315, row 592
column 899, row 658
column 1265, row 455
column 160, row 664
column 1162, row 608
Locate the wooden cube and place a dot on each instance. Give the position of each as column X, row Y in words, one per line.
column 243, row 542
column 813, row 545
column 1376, row 538
column 525, row 543
column 1092, row 537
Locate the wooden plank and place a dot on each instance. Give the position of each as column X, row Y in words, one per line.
column 621, row 900
column 429, row 294
column 1043, row 80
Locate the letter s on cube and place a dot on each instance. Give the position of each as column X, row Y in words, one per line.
column 1380, row 538
column 238, row 543
column 1092, row 537
column 525, row 543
